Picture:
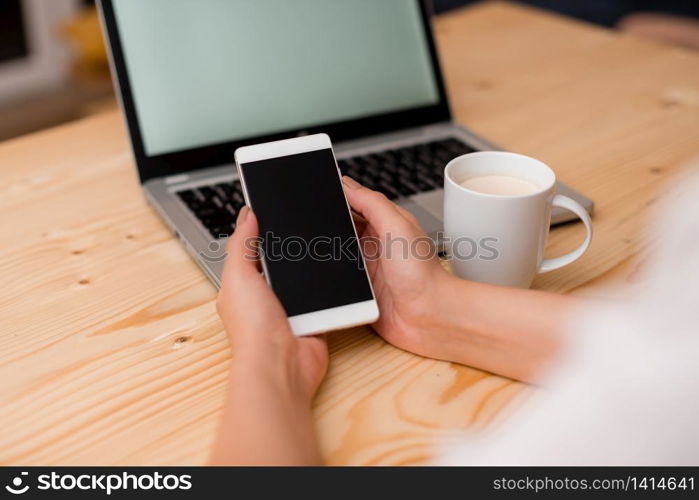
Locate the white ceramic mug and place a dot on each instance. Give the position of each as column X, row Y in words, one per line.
column 500, row 239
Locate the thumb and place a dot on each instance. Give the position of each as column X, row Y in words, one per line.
column 378, row 210
column 242, row 248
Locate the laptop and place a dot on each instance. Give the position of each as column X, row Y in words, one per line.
column 197, row 80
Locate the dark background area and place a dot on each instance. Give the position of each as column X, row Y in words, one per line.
column 604, row 12
column 13, row 41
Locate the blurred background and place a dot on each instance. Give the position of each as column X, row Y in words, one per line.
column 53, row 65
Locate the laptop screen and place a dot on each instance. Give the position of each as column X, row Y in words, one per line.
column 212, row 71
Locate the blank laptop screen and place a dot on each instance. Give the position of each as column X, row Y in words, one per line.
column 210, row 71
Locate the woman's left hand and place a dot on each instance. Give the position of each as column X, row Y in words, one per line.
column 274, row 374
column 257, row 324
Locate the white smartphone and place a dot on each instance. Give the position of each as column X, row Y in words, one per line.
column 308, row 243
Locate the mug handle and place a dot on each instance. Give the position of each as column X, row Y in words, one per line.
column 569, row 204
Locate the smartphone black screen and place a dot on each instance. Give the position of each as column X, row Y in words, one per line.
column 307, row 240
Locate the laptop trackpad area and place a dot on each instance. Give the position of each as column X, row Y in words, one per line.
column 427, row 208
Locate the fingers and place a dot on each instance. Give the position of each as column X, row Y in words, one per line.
column 361, row 196
column 245, row 302
column 360, row 223
column 242, row 250
column 378, row 210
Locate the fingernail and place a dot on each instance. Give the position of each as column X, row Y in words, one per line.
column 350, row 183
column 242, row 215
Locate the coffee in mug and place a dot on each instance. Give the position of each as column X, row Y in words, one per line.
column 502, row 185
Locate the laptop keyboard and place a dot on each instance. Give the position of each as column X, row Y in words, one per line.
column 396, row 173
column 215, row 206
column 405, row 171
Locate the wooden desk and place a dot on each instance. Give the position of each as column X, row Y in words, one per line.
column 112, row 352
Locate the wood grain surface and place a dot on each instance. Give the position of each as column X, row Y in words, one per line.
column 112, row 352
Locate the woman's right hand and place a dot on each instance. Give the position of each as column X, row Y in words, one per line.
column 402, row 261
column 428, row 311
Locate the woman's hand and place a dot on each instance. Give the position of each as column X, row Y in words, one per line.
column 426, row 310
column 256, row 323
column 274, row 374
column 402, row 261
